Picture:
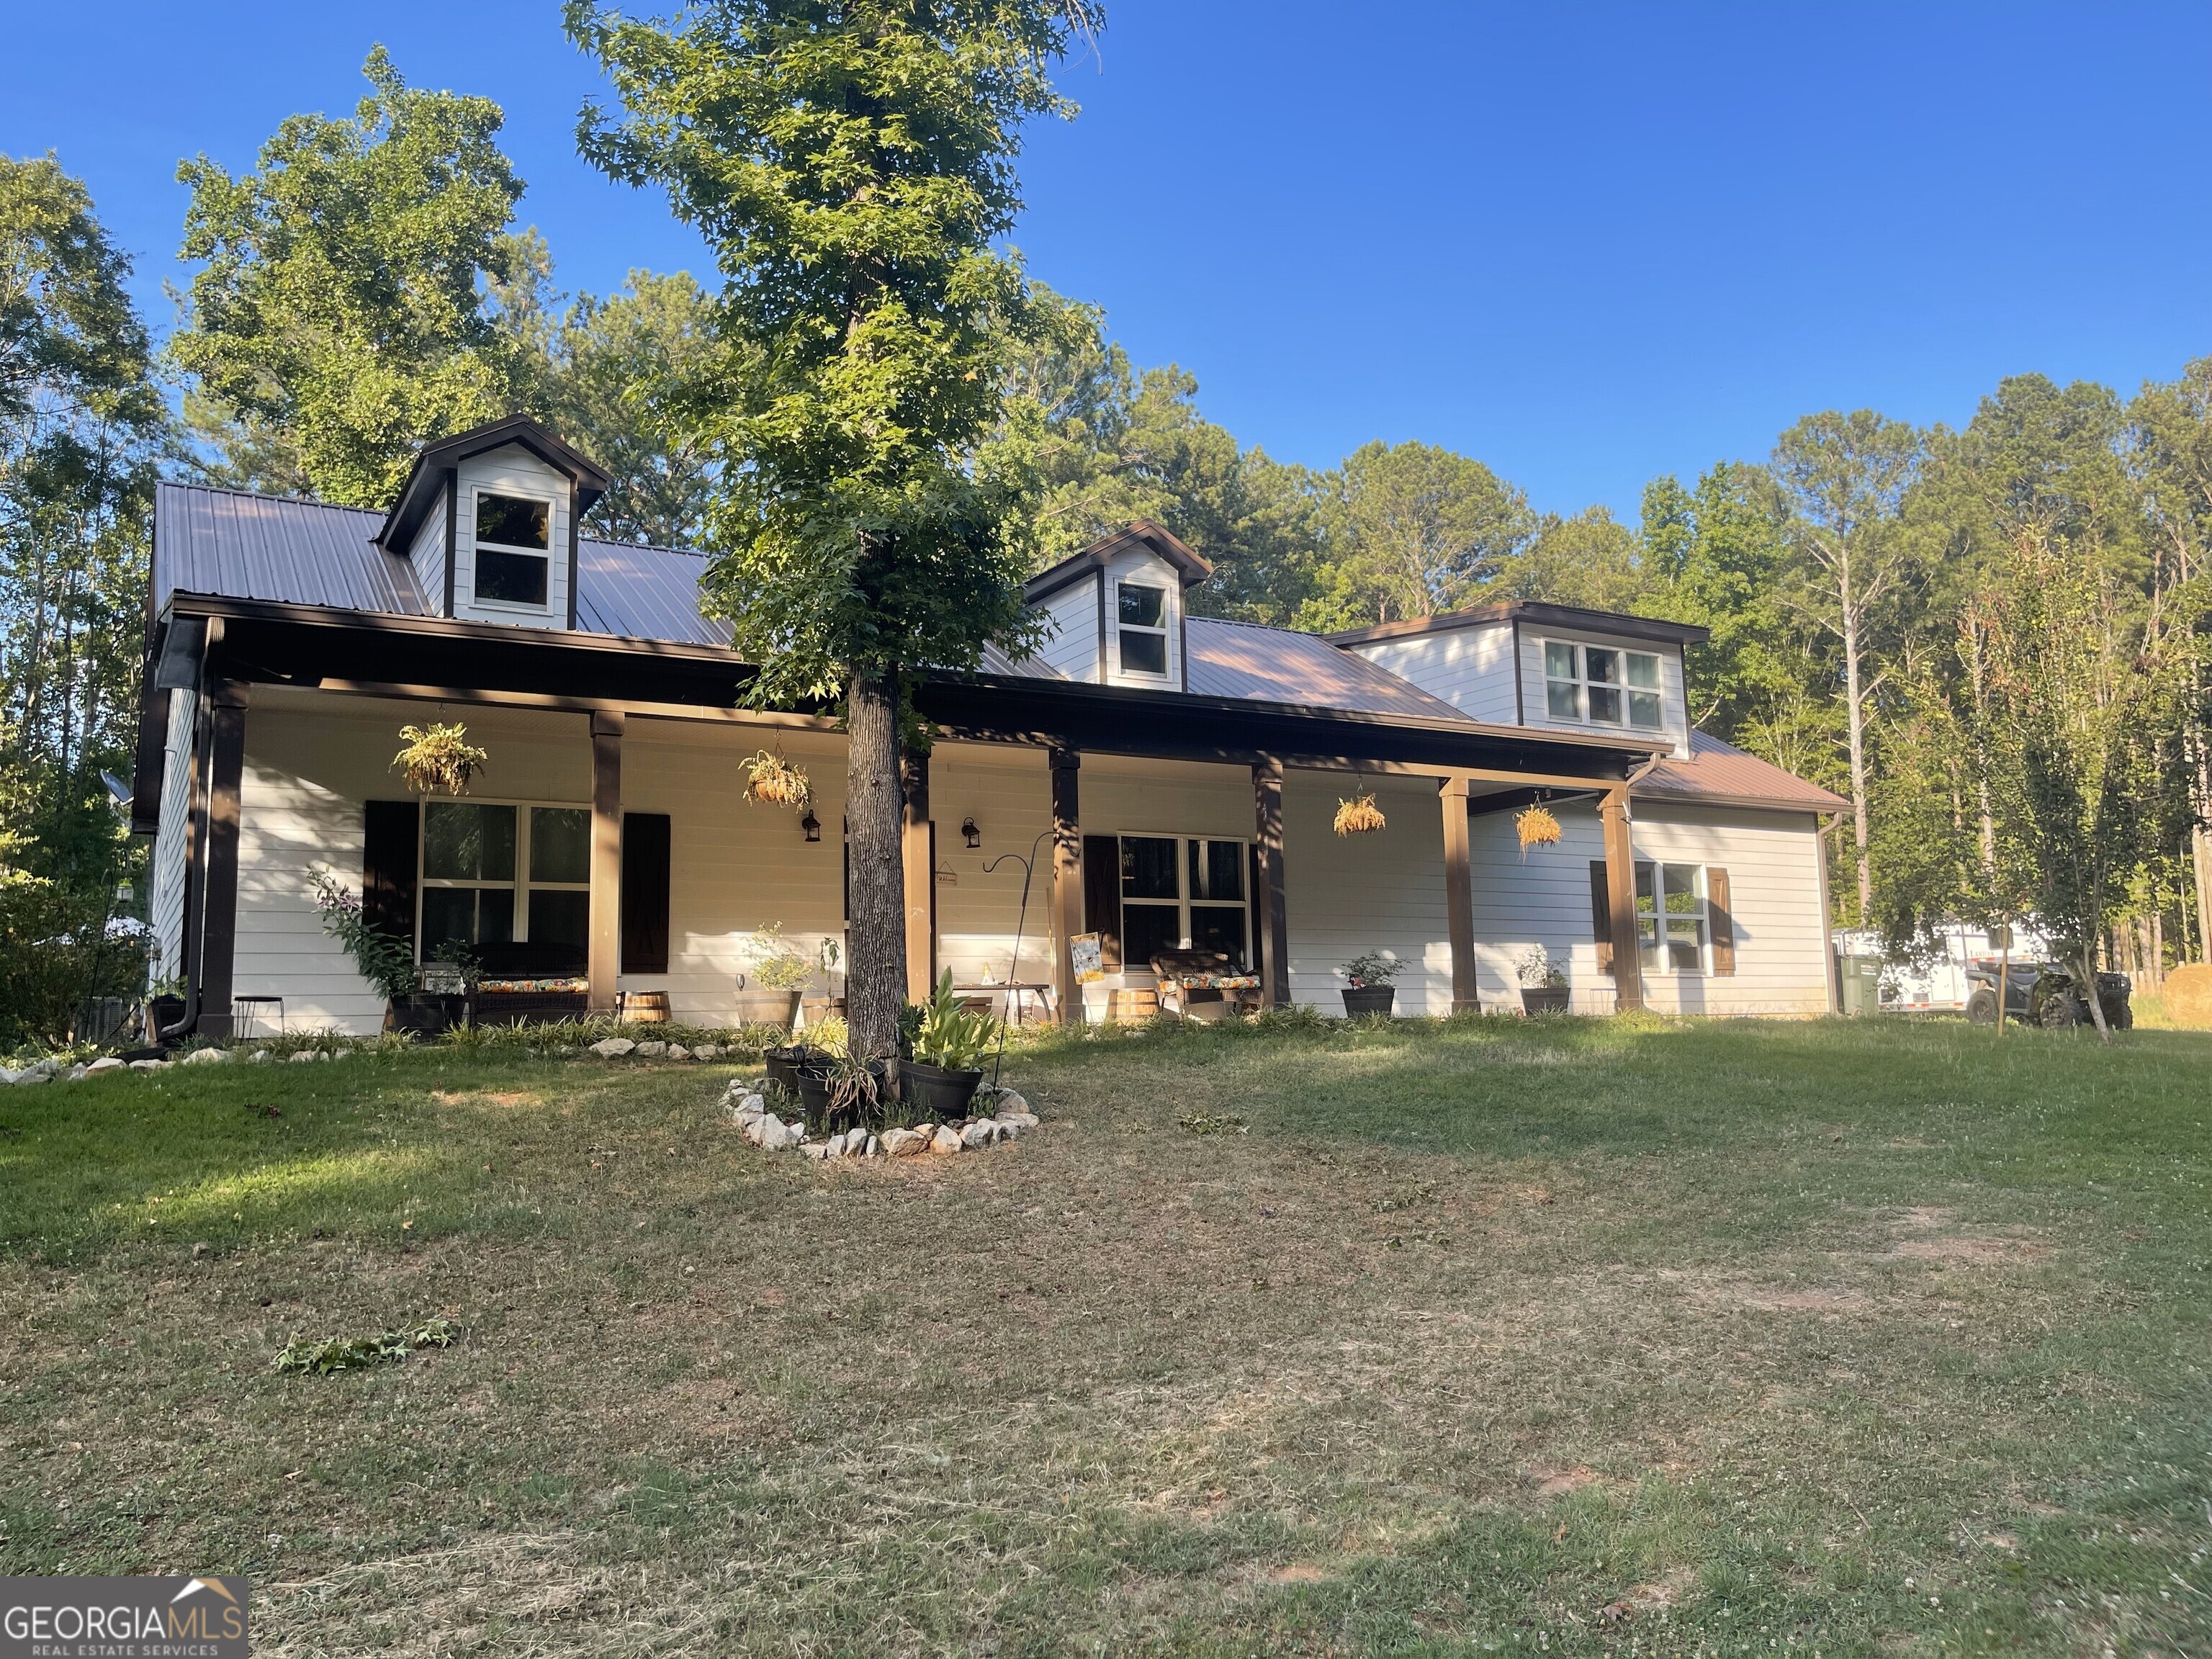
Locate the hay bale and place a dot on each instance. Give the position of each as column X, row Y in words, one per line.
column 2188, row 995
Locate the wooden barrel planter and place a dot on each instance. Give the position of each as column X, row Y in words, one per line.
column 645, row 1007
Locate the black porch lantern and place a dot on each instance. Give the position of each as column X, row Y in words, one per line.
column 812, row 825
column 970, row 833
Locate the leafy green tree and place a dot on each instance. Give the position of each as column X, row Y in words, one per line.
column 852, row 167
column 344, row 313
column 1413, row 530
column 1844, row 477
column 81, row 425
column 1590, row 560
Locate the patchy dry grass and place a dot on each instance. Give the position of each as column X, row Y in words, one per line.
column 1542, row 1337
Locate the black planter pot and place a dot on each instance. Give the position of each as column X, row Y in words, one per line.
column 785, row 1064
column 164, row 1012
column 814, row 1102
column 937, row 1094
column 426, row 1014
column 1543, row 998
column 1360, row 999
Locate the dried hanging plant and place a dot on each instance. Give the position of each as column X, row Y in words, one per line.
column 775, row 779
column 1536, row 827
column 1359, row 817
column 438, row 759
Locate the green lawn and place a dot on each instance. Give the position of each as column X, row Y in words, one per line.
column 1501, row 1337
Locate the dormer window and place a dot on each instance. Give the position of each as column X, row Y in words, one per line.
column 1144, row 618
column 514, row 540
column 1601, row 686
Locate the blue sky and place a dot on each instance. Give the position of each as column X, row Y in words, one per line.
column 1587, row 244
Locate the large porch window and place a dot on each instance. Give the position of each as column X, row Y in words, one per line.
column 494, row 874
column 1183, row 892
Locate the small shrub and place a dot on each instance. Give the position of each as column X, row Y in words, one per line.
column 356, row 1353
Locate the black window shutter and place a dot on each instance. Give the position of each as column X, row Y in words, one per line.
column 389, row 830
column 1601, row 915
column 645, row 893
column 1102, row 894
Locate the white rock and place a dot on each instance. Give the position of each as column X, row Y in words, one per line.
column 147, row 1066
column 259, row 1057
column 979, row 1135
column 76, row 1074
column 1016, row 1120
column 874, row 1147
column 8, row 1079
column 904, row 1143
column 946, row 1140
column 819, row 1150
column 25, row 1079
column 678, row 1051
column 652, row 1050
column 208, row 1057
column 613, row 1047
column 103, row 1064
column 305, row 1057
column 40, row 1070
column 1010, row 1102
column 775, row 1135
column 707, row 1051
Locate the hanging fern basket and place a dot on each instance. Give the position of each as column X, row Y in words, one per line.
column 1359, row 816
column 437, row 760
column 1536, row 827
column 775, row 779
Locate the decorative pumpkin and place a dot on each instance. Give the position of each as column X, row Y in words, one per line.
column 1536, row 827
column 1359, row 816
column 775, row 779
column 438, row 759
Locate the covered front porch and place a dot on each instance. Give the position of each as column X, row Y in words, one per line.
column 1147, row 819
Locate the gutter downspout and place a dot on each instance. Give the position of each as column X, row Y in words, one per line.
column 199, row 776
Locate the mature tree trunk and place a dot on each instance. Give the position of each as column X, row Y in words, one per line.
column 1854, row 711
column 2089, row 986
column 875, row 967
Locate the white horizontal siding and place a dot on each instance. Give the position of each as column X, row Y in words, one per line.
column 428, row 555
column 310, row 761
column 1071, row 649
column 1470, row 668
column 1347, row 894
column 1543, row 898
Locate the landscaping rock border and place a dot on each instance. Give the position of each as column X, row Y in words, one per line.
column 746, row 1102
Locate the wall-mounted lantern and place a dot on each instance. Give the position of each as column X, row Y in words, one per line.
column 970, row 833
column 812, row 825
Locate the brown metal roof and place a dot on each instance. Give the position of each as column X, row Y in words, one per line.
column 1720, row 775
column 234, row 545
column 1274, row 665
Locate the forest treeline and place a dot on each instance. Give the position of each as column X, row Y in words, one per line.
column 1990, row 640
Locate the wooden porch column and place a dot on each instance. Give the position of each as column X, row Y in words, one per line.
column 1621, row 893
column 1066, row 881
column 1274, row 945
column 219, row 911
column 918, row 864
column 605, row 951
column 1459, row 898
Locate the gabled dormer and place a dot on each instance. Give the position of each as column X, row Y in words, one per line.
column 489, row 519
column 1117, row 610
column 1527, row 663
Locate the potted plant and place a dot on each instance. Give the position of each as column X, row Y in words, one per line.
column 384, row 961
column 165, row 1004
column 950, row 1042
column 1543, row 985
column 780, row 973
column 1371, row 990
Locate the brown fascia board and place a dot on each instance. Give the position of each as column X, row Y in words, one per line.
column 1143, row 531
column 1537, row 611
column 1135, row 703
column 1762, row 803
column 425, row 476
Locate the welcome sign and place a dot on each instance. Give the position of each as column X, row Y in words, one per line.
column 123, row 1618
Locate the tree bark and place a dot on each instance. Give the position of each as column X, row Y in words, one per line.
column 2090, row 989
column 875, row 967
